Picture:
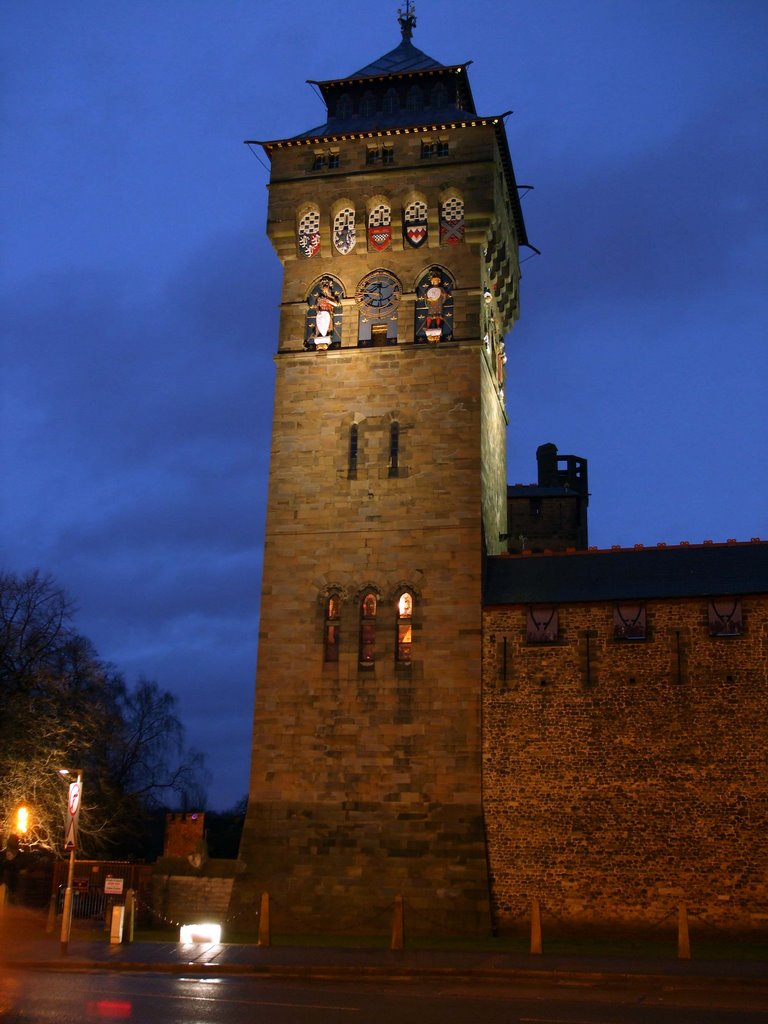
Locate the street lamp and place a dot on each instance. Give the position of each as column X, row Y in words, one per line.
column 22, row 821
column 74, row 800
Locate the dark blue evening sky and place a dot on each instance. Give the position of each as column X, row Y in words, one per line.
column 140, row 294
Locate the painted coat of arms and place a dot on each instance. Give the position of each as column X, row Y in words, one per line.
column 344, row 235
column 451, row 231
column 415, row 232
column 309, row 242
column 380, row 237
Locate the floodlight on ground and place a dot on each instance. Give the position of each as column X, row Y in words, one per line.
column 200, row 933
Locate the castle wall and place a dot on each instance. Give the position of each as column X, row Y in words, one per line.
column 548, row 523
column 622, row 779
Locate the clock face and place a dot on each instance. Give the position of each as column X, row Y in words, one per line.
column 378, row 294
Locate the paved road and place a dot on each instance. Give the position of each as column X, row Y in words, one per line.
column 97, row 996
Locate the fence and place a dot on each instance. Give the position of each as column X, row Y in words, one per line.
column 98, row 885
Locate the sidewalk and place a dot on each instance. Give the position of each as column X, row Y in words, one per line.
column 44, row 953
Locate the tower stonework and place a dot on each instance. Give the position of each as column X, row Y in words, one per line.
column 398, row 226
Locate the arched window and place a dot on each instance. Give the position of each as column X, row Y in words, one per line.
column 415, row 99
column 380, row 228
column 452, row 221
column 394, row 448
column 344, row 106
column 331, row 628
column 344, row 236
column 324, row 313
column 404, row 626
column 308, row 235
column 433, row 311
column 415, row 223
column 368, row 605
column 368, row 104
column 439, row 95
column 391, row 103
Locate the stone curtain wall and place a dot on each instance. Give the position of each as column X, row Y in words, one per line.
column 179, row 899
column 614, row 798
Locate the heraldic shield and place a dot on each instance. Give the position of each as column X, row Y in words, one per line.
column 380, row 238
column 415, row 233
column 309, row 243
column 451, row 231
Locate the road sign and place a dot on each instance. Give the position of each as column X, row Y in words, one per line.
column 73, row 815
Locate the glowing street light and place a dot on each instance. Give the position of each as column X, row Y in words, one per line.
column 22, row 821
column 74, row 799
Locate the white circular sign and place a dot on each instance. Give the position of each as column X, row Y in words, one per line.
column 74, row 798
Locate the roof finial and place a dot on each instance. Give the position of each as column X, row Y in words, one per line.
column 407, row 18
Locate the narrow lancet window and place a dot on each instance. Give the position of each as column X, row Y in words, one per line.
column 394, row 448
column 368, row 629
column 352, row 467
column 332, row 616
column 404, row 627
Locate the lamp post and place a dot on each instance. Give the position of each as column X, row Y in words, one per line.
column 22, row 821
column 70, row 842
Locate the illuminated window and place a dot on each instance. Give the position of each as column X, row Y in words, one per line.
column 725, row 617
column 404, row 627
column 331, row 629
column 368, row 629
column 394, row 446
column 352, row 469
column 542, row 626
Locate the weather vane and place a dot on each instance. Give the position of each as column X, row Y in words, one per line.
column 407, row 18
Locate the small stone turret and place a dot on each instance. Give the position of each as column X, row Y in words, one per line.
column 550, row 515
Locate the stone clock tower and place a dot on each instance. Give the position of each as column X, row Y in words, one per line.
column 398, row 225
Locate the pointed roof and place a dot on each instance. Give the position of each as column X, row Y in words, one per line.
column 455, row 110
column 404, row 58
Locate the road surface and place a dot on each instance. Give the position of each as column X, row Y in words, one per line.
column 157, row 998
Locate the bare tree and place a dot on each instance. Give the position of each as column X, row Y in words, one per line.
column 61, row 706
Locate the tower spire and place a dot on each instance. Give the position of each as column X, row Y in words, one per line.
column 407, row 17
